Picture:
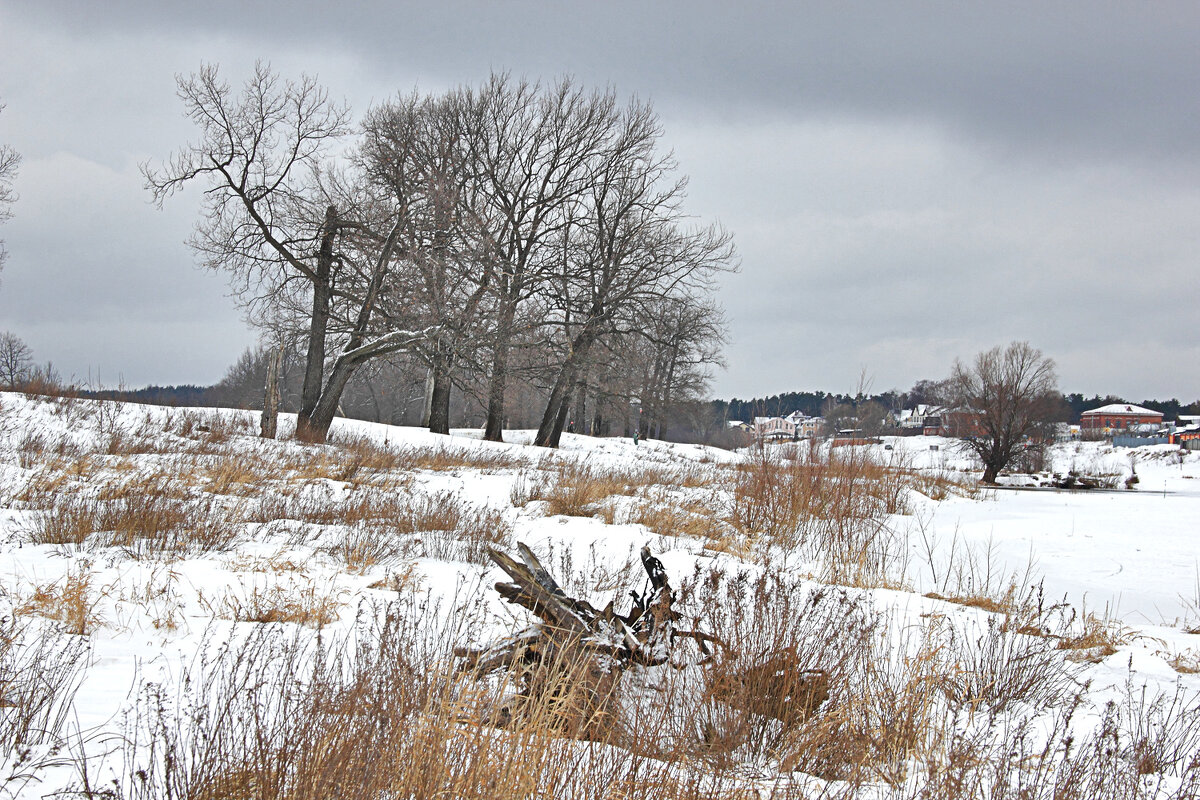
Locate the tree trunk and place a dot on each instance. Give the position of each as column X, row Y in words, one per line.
column 550, row 431
column 441, row 371
column 428, row 407
column 560, row 422
column 439, row 409
column 374, row 400
column 597, row 417
column 493, row 429
column 316, row 428
column 650, row 400
column 314, row 368
column 322, row 416
column 580, row 416
column 665, row 407
column 269, row 423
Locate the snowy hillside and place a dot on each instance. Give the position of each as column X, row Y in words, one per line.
column 191, row 611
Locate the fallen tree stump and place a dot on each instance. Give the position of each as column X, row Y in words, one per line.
column 563, row 671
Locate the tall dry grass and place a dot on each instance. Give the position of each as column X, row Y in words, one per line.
column 150, row 521
column 41, row 666
column 830, row 505
column 382, row 715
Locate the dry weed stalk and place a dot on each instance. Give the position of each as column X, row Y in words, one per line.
column 41, row 666
column 70, row 601
column 299, row 602
column 831, row 505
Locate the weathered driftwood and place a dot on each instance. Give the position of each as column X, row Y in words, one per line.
column 643, row 636
column 574, row 655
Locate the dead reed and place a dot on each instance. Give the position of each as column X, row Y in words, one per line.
column 829, row 505
column 41, row 666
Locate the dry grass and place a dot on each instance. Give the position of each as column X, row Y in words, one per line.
column 375, row 719
column 829, row 505
column 696, row 520
column 41, row 666
column 147, row 519
column 207, row 430
column 578, row 487
column 528, row 487
column 1013, row 601
column 276, row 562
column 239, row 473
column 364, row 453
column 810, row 684
column 441, row 526
column 155, row 592
column 365, row 547
column 1185, row 662
column 1096, row 638
column 317, row 508
column 812, row 679
column 941, row 485
column 70, row 601
column 406, row 578
column 583, row 488
column 298, row 602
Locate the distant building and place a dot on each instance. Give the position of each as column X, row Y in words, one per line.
column 794, row 426
column 768, row 429
column 796, row 417
column 852, row 436
column 810, row 427
column 923, row 419
column 1186, row 432
column 1118, row 417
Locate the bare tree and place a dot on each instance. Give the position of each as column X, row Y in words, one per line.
column 627, row 247
column 9, row 161
column 416, row 150
column 282, row 233
column 1003, row 403
column 683, row 337
column 924, row 392
column 533, row 150
column 16, row 361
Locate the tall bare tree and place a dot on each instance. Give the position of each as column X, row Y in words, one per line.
column 10, row 159
column 683, row 337
column 415, row 148
column 627, row 247
column 533, row 150
column 1004, row 401
column 277, row 229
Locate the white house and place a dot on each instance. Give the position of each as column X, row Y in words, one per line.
column 773, row 428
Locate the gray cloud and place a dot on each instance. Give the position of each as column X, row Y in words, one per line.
column 907, row 183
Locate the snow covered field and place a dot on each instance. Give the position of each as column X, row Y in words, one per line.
column 153, row 535
column 1134, row 553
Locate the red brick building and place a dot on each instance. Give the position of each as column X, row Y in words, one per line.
column 1118, row 416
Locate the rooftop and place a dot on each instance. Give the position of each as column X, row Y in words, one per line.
column 1123, row 408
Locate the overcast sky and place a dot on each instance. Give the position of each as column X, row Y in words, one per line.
column 906, row 182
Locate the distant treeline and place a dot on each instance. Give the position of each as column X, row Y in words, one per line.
column 700, row 422
column 184, row 395
column 818, row 403
column 813, row 404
